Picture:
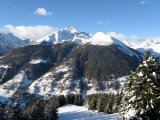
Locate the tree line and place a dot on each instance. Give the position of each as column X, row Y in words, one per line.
column 38, row 109
column 105, row 102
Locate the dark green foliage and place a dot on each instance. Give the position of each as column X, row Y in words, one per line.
column 50, row 111
column 75, row 99
column 99, row 62
column 34, row 110
column 37, row 110
column 42, row 110
column 92, row 101
column 117, row 102
column 2, row 112
column 101, row 103
column 93, row 104
column 54, row 101
column 13, row 112
column 62, row 100
column 108, row 103
column 70, row 98
column 142, row 92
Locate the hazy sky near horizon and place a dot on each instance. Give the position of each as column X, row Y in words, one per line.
column 129, row 17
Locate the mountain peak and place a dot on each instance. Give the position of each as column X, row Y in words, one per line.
column 8, row 41
column 152, row 44
column 72, row 29
column 67, row 34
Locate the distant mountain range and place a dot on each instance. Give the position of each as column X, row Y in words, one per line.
column 9, row 42
column 152, row 44
column 64, row 62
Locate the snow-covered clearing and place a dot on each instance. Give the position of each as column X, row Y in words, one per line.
column 37, row 61
column 73, row 112
column 20, row 81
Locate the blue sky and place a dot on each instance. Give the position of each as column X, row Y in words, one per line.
column 129, row 17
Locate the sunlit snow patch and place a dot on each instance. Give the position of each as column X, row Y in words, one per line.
column 4, row 68
column 73, row 112
column 11, row 86
column 37, row 61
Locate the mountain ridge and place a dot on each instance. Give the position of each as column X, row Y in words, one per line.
column 64, row 68
column 73, row 35
column 9, row 42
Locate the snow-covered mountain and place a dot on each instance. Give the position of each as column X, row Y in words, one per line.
column 67, row 61
column 73, row 35
column 103, row 39
column 152, row 44
column 9, row 42
column 68, row 34
column 66, row 67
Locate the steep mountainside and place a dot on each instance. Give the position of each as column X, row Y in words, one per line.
column 9, row 42
column 46, row 69
column 32, row 58
column 63, row 35
column 152, row 44
column 88, row 69
column 22, row 66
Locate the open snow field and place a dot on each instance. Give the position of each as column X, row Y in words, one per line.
column 73, row 112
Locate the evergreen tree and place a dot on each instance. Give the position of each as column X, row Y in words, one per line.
column 70, row 98
column 13, row 112
column 38, row 111
column 142, row 92
column 117, row 102
column 101, row 104
column 62, row 100
column 2, row 112
column 54, row 101
column 92, row 103
column 17, row 112
column 50, row 111
column 109, row 103
column 34, row 111
column 78, row 99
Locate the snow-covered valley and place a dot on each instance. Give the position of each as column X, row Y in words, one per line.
column 73, row 112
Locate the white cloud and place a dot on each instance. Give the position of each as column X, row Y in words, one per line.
column 103, row 22
column 42, row 11
column 28, row 32
column 101, row 38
